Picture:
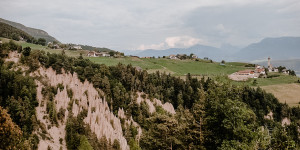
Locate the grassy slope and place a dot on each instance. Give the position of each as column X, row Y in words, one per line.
column 286, row 93
column 282, row 79
column 282, row 87
column 175, row 67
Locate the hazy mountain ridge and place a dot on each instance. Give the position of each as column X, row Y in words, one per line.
column 36, row 33
column 200, row 50
column 277, row 48
column 280, row 48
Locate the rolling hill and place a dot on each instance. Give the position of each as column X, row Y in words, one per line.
column 200, row 50
column 36, row 33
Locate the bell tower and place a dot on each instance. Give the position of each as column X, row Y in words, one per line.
column 269, row 63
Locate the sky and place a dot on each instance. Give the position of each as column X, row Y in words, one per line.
column 157, row 24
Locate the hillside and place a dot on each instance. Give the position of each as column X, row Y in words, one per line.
column 36, row 33
column 200, row 50
column 11, row 32
column 277, row 48
column 174, row 67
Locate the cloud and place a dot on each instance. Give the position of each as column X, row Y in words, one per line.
column 152, row 46
column 128, row 24
column 182, row 41
column 174, row 42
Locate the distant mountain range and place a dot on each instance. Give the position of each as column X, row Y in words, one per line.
column 36, row 33
column 199, row 50
column 277, row 48
column 281, row 48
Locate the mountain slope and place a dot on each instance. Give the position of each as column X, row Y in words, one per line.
column 11, row 32
column 277, row 48
column 36, row 33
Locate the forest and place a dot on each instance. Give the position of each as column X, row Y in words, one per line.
column 209, row 114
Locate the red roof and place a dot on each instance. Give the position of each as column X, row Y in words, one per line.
column 246, row 71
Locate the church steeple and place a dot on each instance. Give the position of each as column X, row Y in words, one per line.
column 269, row 63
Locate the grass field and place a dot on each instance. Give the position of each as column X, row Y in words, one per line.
column 282, row 79
column 286, row 93
column 175, row 67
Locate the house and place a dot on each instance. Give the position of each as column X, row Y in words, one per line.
column 273, row 70
column 194, row 56
column 173, row 57
column 78, row 47
column 56, row 46
column 285, row 71
column 91, row 54
column 105, row 55
column 260, row 70
column 245, row 72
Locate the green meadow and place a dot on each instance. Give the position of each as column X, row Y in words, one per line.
column 174, row 67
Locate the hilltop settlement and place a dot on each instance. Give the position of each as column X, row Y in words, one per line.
column 259, row 71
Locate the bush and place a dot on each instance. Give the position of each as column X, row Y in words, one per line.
column 26, row 51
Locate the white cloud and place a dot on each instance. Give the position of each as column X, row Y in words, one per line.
column 128, row 23
column 182, row 41
column 152, row 46
column 174, row 42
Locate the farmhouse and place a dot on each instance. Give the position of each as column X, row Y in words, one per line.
column 91, row 54
column 173, row 57
column 245, row 75
column 260, row 71
column 285, row 71
column 95, row 54
column 76, row 47
column 194, row 56
column 245, row 72
column 104, row 54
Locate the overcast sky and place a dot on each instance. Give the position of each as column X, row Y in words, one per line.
column 157, row 24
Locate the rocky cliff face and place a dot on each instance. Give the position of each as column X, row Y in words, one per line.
column 101, row 120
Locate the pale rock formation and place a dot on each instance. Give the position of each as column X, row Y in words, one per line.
column 101, row 120
column 13, row 56
column 285, row 121
column 269, row 116
column 54, row 132
column 166, row 106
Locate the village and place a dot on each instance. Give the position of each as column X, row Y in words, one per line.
column 258, row 72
